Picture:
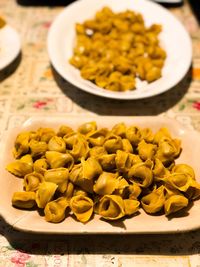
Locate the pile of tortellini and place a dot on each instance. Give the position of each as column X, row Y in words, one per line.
column 113, row 49
column 96, row 170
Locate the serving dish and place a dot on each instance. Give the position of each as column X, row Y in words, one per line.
column 10, row 45
column 31, row 221
column 174, row 39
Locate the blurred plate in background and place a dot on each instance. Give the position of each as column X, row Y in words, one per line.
column 10, row 46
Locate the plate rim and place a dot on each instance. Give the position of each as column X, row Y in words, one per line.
column 18, row 223
column 106, row 93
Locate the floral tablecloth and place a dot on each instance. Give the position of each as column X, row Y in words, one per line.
column 33, row 89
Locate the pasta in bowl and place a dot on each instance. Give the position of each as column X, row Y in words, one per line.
column 120, row 47
column 113, row 49
column 106, row 175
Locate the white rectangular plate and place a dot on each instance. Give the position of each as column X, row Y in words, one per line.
column 31, row 221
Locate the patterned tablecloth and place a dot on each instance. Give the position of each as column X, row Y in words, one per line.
column 32, row 89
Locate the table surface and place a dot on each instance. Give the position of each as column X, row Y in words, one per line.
column 34, row 89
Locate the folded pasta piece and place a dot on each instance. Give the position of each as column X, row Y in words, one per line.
column 64, row 130
column 126, row 146
column 58, row 176
column 170, row 191
column 193, row 192
column 154, row 201
column 78, row 191
column 56, row 143
column 27, row 159
column 97, row 151
column 91, row 168
column 97, row 138
column 89, row 71
column 184, row 168
column 180, row 181
column 133, row 134
column 124, row 160
column 122, row 183
column 127, row 82
column 159, row 170
column 57, row 160
column 111, row 207
column 21, row 167
column 147, row 135
column 107, row 162
column 80, row 148
column 23, row 200
column 77, row 178
column 82, row 207
column 45, row 134
column 121, row 187
column 134, row 191
column 87, row 127
column 70, row 139
column 38, row 148
column 106, row 183
column 146, row 150
column 168, row 150
column 69, row 191
column 55, row 210
column 119, row 129
column 102, row 81
column 131, row 206
column 175, row 203
column 113, row 143
column 21, row 146
column 141, row 173
column 40, row 165
column 32, row 180
column 163, row 133
column 45, row 193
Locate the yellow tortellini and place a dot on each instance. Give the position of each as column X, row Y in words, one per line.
column 32, row 181
column 111, row 207
column 56, row 143
column 113, row 49
column 23, row 200
column 58, row 176
column 141, row 173
column 106, row 183
column 57, row 159
column 82, row 207
column 175, row 203
column 21, row 167
column 45, row 193
column 111, row 172
column 40, row 165
column 154, row 201
column 55, row 210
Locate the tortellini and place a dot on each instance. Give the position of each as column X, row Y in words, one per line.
column 154, row 201
column 55, row 210
column 45, row 193
column 112, row 173
column 82, row 207
column 23, row 200
column 21, row 167
column 113, row 49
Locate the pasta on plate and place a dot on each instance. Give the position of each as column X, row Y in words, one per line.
column 113, row 49
column 110, row 172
